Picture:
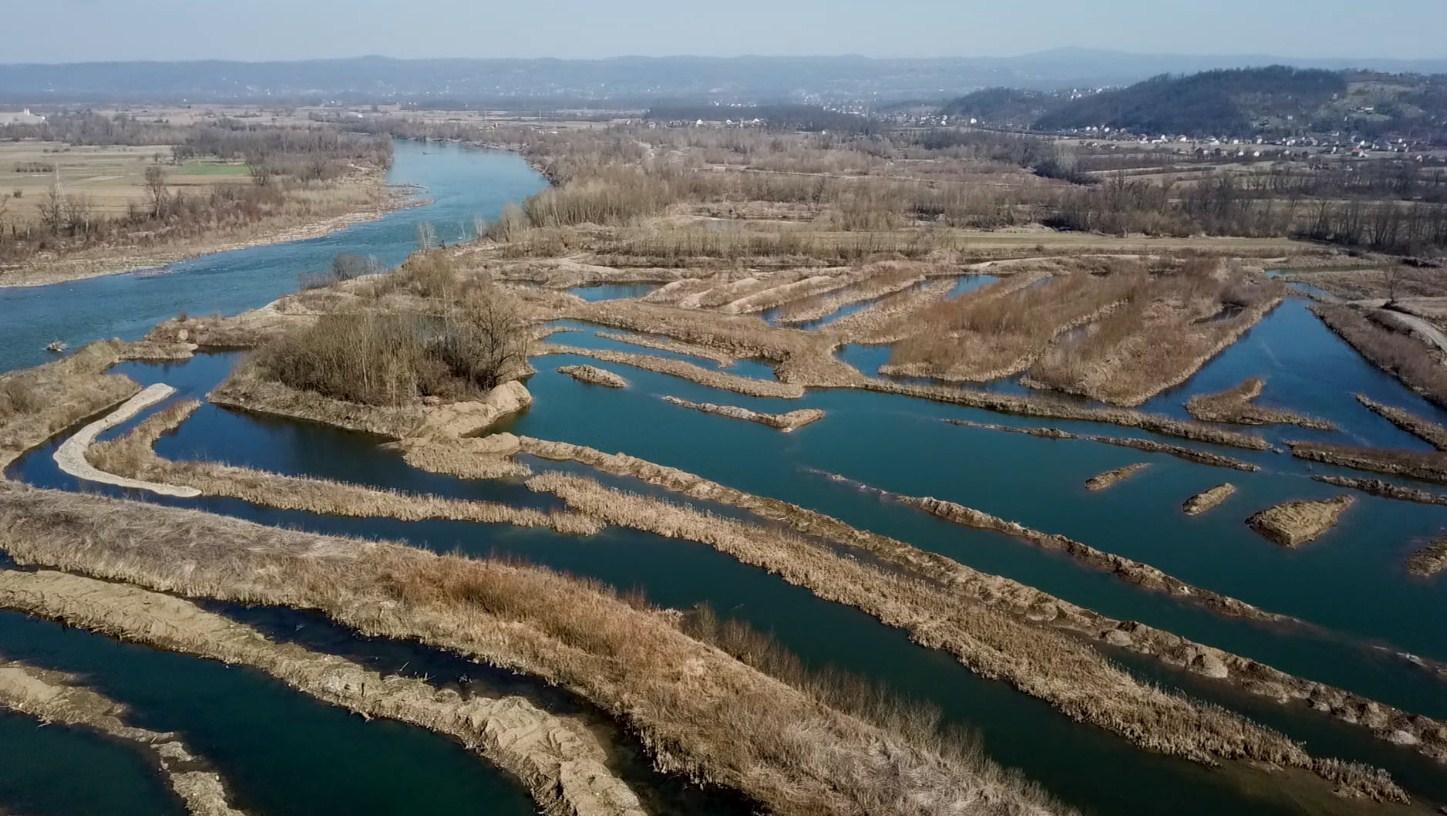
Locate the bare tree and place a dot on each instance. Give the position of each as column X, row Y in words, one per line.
column 426, row 237
column 156, row 189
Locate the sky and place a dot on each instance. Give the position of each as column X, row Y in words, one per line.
column 89, row 30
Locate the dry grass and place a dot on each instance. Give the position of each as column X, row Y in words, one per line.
column 560, row 760
column 1208, row 500
column 53, row 697
column 1411, row 361
column 791, row 421
column 1386, row 490
column 686, row 371
column 1238, row 405
column 593, row 376
column 1292, row 524
column 1166, row 329
column 132, row 455
column 1419, row 426
column 1430, row 560
column 38, row 403
column 1200, row 457
column 1111, row 478
column 929, row 594
column 1428, row 467
column 697, row 710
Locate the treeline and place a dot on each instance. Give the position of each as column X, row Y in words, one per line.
column 283, row 163
column 809, row 118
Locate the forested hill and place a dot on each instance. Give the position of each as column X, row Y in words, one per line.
column 1233, row 102
column 1239, row 102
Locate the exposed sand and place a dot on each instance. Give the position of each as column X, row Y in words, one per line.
column 71, row 455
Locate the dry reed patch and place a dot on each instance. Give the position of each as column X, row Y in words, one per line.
column 55, row 697
column 1386, row 490
column 473, row 457
column 1189, row 454
column 675, row 346
column 1419, row 426
column 1292, row 524
column 791, row 421
column 892, row 317
column 1237, row 405
column 697, row 710
column 874, row 282
column 557, row 757
column 593, row 375
column 133, row 455
column 1428, row 467
column 1036, row 660
column 37, row 403
column 1166, row 330
column 1411, row 361
column 685, row 371
column 1001, row 329
column 1208, row 500
column 1020, row 600
column 1430, row 560
column 1111, row 478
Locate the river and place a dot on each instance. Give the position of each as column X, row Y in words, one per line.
column 1349, row 585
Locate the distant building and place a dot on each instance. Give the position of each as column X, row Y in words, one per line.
column 24, row 117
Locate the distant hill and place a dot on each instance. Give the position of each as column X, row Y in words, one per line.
column 1224, row 102
column 1238, row 102
column 632, row 81
column 1006, row 107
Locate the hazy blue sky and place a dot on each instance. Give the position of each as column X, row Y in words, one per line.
column 74, row 30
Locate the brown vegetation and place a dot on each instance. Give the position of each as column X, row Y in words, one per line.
column 665, row 344
column 38, row 403
column 898, row 561
column 1430, row 560
column 1238, row 405
column 1428, row 467
column 1386, row 490
column 1110, row 478
column 1208, row 500
column 697, row 710
column 559, row 758
column 1420, row 427
column 1200, row 457
column 1292, row 524
column 132, row 455
column 687, row 371
column 791, row 421
column 1409, row 360
column 53, row 697
column 593, row 375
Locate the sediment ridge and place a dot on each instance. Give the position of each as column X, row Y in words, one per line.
column 1295, row 523
column 133, row 456
column 791, row 421
column 697, row 710
column 592, row 375
column 55, row 697
column 1237, row 405
column 1386, row 490
column 71, row 455
column 558, row 758
column 667, row 344
column 1430, row 560
column 1022, row 601
column 1148, row 445
column 1426, row 467
column 1111, row 478
column 1418, row 426
column 747, row 386
column 1208, row 500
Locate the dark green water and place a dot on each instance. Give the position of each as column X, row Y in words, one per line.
column 1349, row 586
